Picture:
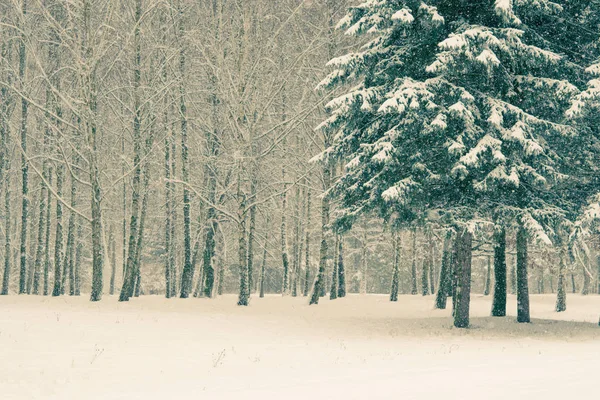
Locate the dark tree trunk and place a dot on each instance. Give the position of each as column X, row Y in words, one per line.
column 284, row 252
column 413, row 267
column 429, row 256
column 319, row 286
column 341, row 277
column 333, row 292
column 243, row 298
column 188, row 273
column 425, row 278
column 58, row 238
column 396, row 272
column 573, row 286
column 522, row 277
column 463, row 287
column 499, row 301
column 24, row 161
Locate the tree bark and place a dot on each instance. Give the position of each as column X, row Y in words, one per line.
column 262, row 270
column 113, row 260
column 333, row 292
column 463, row 287
column 561, row 296
column 340, row 269
column 58, row 238
column 47, row 237
column 188, row 272
column 413, row 268
column 24, row 162
column 396, row 273
column 430, row 257
column 307, row 245
column 522, row 277
column 499, row 301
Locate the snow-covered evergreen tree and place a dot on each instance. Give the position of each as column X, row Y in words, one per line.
column 450, row 108
column 453, row 108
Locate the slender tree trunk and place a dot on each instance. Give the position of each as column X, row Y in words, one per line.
column 78, row 256
column 140, row 237
column 188, row 273
column 47, row 237
column 425, row 277
column 396, row 272
column 499, row 301
column 58, row 238
column 262, row 269
column 585, row 286
column 513, row 276
column 127, row 290
column 70, row 252
column 113, row 260
column 243, row 298
column 39, row 252
column 92, row 139
column 333, row 293
column 284, row 253
column 168, row 212
column 561, row 297
column 488, row 277
column 173, row 264
column 32, row 246
column 430, row 257
column 307, row 245
column 364, row 261
column 413, row 268
column 24, row 162
column 251, row 231
column 597, row 272
column 7, row 214
column 522, row 276
column 445, row 273
column 573, row 287
column 296, row 244
column 341, row 269
column 463, row 287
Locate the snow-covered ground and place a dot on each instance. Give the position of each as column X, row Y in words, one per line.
column 360, row 347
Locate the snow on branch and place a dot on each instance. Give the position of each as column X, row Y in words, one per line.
column 400, row 191
column 535, row 229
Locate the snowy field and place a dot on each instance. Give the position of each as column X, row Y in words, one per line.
column 360, row 347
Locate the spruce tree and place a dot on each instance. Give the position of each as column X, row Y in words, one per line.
column 452, row 108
